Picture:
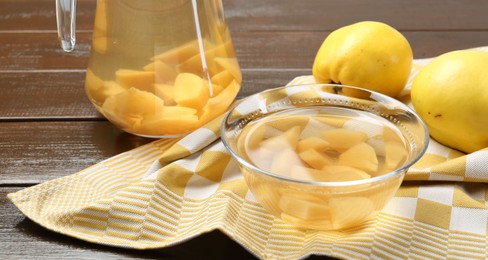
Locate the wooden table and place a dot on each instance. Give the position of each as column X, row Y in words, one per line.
column 49, row 129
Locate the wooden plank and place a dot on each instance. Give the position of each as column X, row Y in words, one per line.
column 31, row 51
column 261, row 79
column 277, row 15
column 33, row 152
column 40, row 243
column 18, row 15
column 44, row 95
column 298, row 49
column 319, row 15
column 61, row 96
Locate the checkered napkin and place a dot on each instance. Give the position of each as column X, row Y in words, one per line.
column 173, row 189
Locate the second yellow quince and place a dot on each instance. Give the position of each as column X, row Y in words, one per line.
column 371, row 55
column 451, row 95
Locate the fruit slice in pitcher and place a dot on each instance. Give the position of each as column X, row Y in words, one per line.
column 163, row 72
column 218, row 104
column 129, row 107
column 231, row 65
column 100, row 90
column 142, row 80
column 166, row 92
column 178, row 55
column 191, row 90
column 170, row 120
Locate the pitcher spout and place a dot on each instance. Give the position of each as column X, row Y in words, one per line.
column 66, row 22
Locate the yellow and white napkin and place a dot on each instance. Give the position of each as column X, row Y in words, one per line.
column 173, row 189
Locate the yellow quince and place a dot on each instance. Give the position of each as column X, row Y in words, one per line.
column 371, row 55
column 451, row 95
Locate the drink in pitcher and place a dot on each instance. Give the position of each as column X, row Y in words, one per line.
column 161, row 68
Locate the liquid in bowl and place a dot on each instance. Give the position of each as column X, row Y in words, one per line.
column 328, row 145
column 306, row 143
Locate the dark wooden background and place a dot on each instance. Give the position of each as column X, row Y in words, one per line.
column 49, row 129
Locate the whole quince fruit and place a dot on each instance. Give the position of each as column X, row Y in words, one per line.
column 371, row 55
column 451, row 95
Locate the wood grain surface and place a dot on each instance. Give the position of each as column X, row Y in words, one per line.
column 49, row 129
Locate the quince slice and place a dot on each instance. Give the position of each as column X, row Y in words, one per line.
column 284, row 161
column 252, row 135
column 231, row 65
column 218, row 105
column 223, row 78
column 195, row 64
column 395, row 155
column 110, row 88
column 390, row 134
column 179, row 54
column 166, row 93
column 163, row 72
column 288, row 139
column 312, row 142
column 191, row 90
column 318, row 224
column 169, row 120
column 216, row 89
column 343, row 139
column 142, row 80
column 336, row 122
column 99, row 90
column 361, row 156
column 92, row 81
column 129, row 107
column 315, row 128
column 378, row 143
column 329, row 173
column 134, row 102
column 304, row 206
column 316, row 159
column 261, row 157
column 372, row 130
column 249, row 139
column 167, row 125
column 343, row 173
column 350, row 211
column 304, row 173
column 285, row 122
column 171, row 111
column 100, row 40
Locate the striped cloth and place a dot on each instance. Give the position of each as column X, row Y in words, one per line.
column 173, row 189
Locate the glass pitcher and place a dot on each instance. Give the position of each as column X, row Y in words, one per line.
column 157, row 68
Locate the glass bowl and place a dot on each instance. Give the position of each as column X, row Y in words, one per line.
column 325, row 197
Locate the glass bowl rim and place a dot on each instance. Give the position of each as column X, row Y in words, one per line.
column 375, row 179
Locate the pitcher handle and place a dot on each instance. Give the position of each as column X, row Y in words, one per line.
column 66, row 21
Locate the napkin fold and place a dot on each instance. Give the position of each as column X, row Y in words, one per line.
column 171, row 190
